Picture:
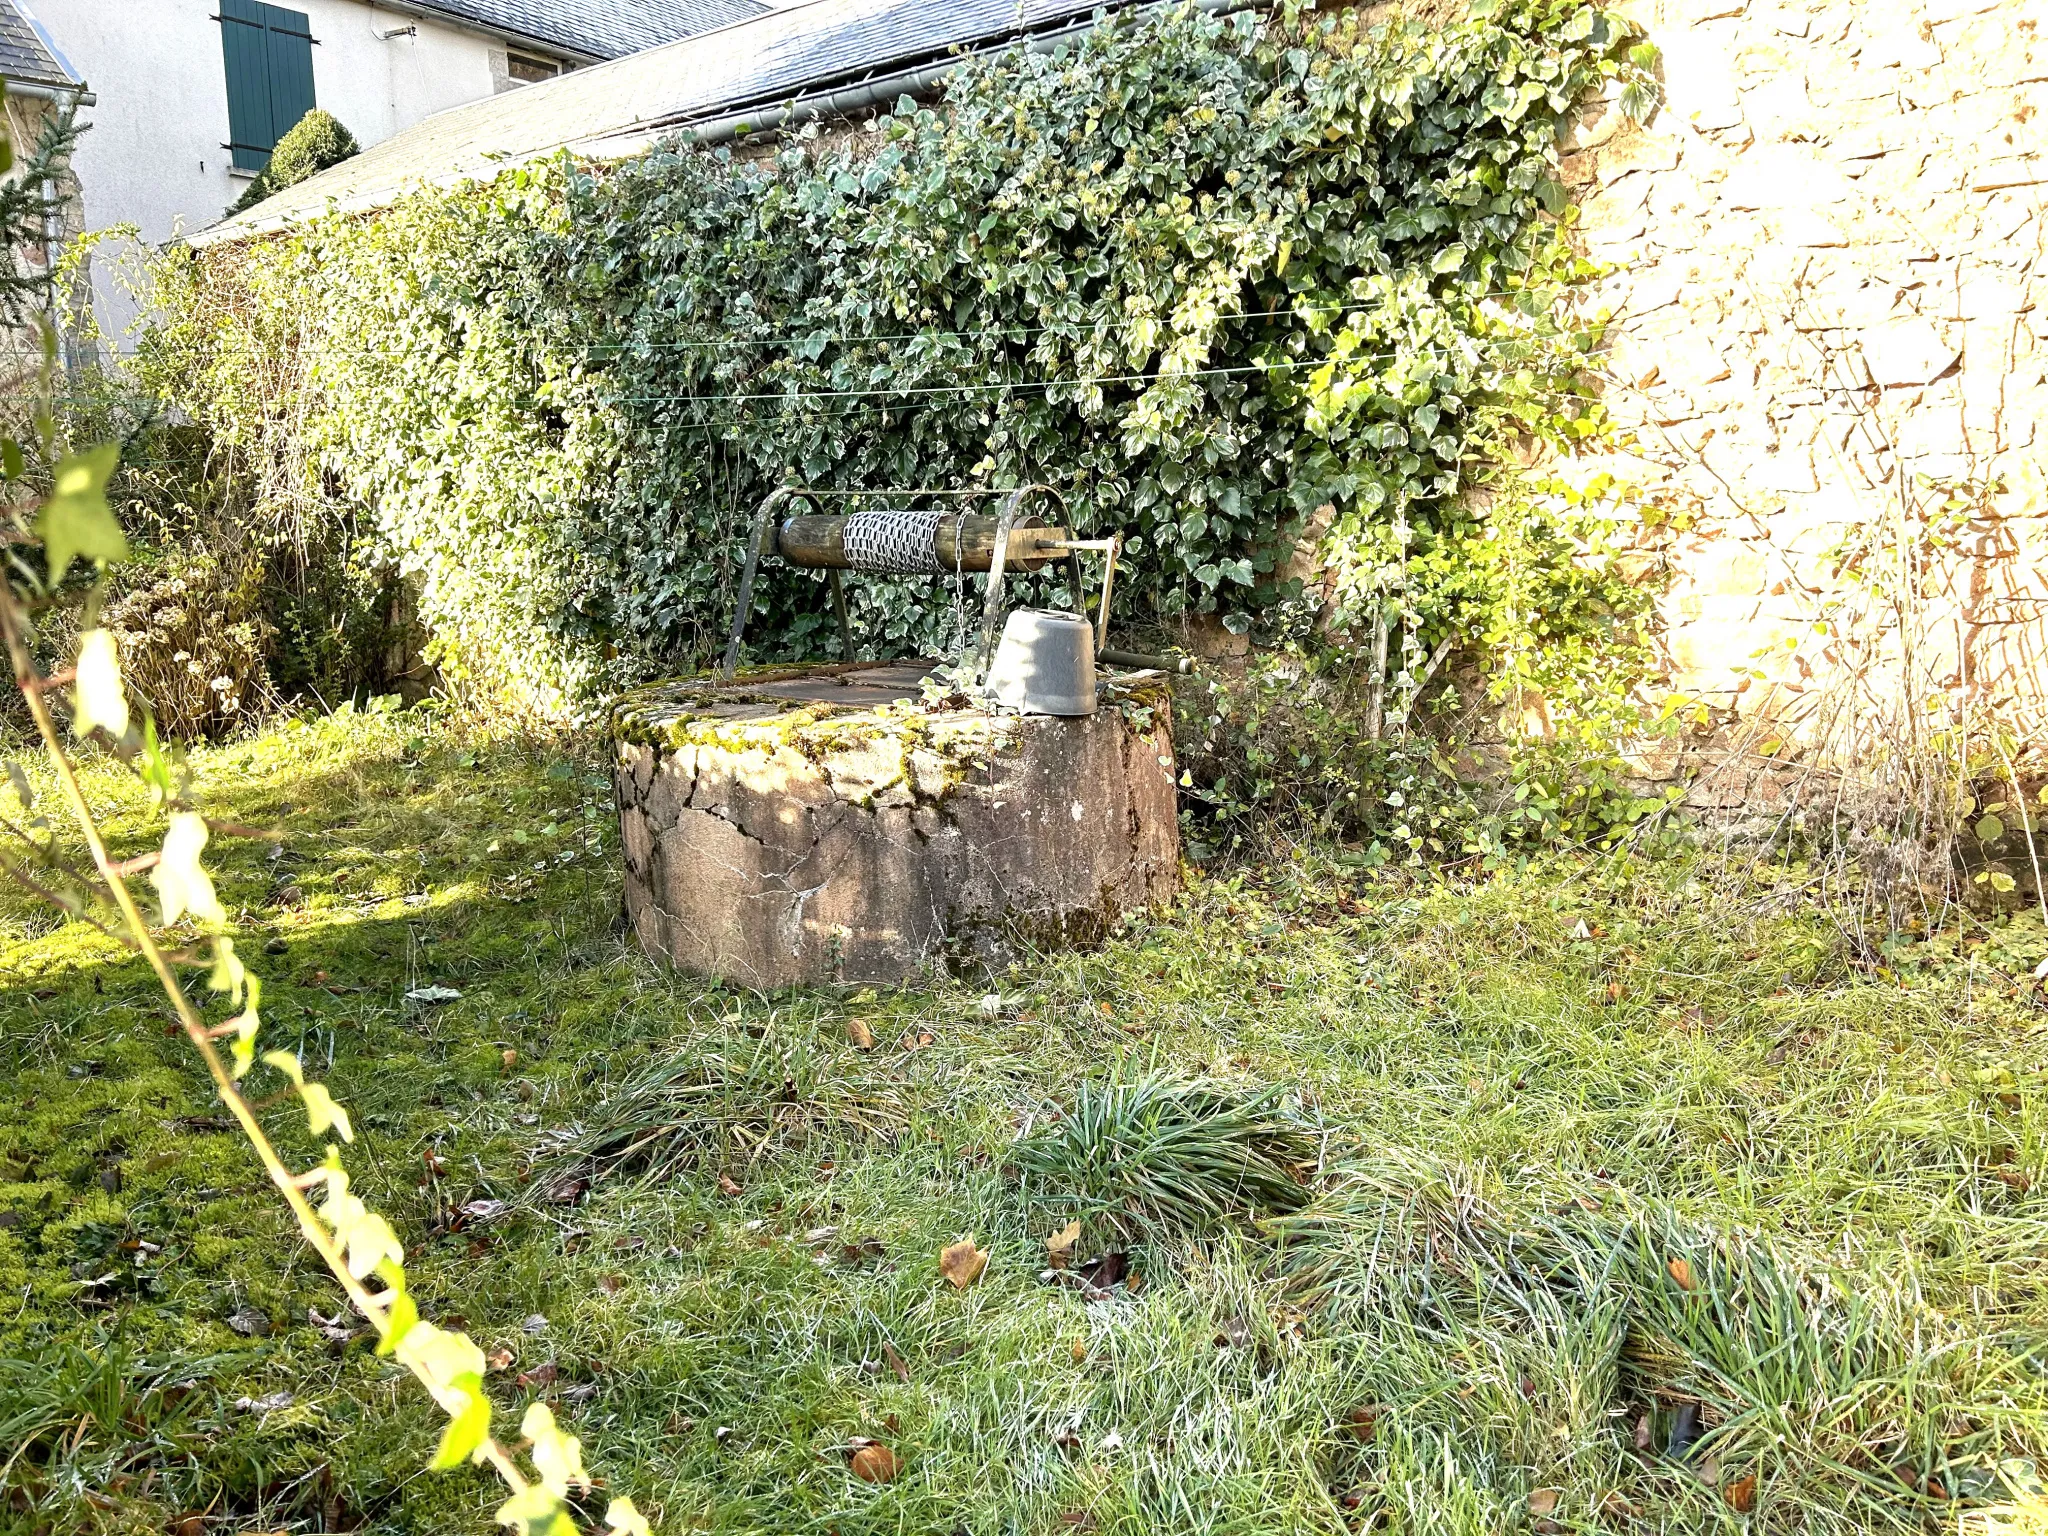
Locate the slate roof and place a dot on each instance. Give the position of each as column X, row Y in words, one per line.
column 25, row 50
column 609, row 110
column 598, row 29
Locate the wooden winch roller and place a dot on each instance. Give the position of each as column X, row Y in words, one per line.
column 911, row 542
column 914, row 543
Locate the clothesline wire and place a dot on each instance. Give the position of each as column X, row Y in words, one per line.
column 927, row 335
column 903, row 392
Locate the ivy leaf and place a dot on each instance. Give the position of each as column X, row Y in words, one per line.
column 181, row 885
column 97, row 699
column 76, row 520
column 625, row 1519
column 1449, row 259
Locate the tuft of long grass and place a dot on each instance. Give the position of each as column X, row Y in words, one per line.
column 1152, row 1154
column 725, row 1100
column 1853, row 1405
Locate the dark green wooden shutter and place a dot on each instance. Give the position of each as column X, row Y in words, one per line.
column 268, row 52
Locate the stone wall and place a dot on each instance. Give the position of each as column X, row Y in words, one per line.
column 1831, row 323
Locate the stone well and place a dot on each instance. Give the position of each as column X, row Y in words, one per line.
column 831, row 824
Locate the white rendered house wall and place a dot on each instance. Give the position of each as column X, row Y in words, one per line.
column 155, row 155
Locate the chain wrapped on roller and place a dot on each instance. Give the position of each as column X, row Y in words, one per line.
column 899, row 543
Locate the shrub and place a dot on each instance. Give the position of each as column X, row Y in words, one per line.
column 308, row 147
column 192, row 638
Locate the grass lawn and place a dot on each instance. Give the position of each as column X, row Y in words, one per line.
column 1584, row 1199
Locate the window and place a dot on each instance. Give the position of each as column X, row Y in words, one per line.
column 526, row 68
column 269, row 55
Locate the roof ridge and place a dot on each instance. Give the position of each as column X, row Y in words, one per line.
column 599, row 29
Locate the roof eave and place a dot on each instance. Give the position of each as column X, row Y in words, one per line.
column 426, row 11
column 50, row 90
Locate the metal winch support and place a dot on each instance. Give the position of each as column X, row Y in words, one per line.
column 906, row 542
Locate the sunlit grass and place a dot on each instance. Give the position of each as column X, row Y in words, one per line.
column 706, row 1223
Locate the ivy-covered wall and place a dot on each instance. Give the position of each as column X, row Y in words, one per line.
column 1206, row 276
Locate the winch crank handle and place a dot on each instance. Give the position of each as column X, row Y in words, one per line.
column 1116, row 544
column 1141, row 661
column 992, row 597
column 762, row 521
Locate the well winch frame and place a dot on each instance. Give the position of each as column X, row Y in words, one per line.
column 958, row 544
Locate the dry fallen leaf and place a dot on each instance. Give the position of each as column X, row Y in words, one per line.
column 962, row 1263
column 1741, row 1494
column 918, row 1041
column 509, row 1057
column 1615, row 1506
column 860, row 1034
column 1079, row 1350
column 1059, row 1246
column 1681, row 1271
column 611, row 1285
column 498, row 1358
column 726, row 1186
column 1543, row 1500
column 1362, row 1421
column 874, row 1462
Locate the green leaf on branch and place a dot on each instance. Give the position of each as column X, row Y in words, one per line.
column 97, row 700
column 442, row 1360
column 556, row 1456
column 181, row 885
column 76, row 522
column 322, row 1113
column 535, row 1512
column 246, row 1023
column 228, row 974
column 467, row 1427
column 405, row 1313
column 625, row 1519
